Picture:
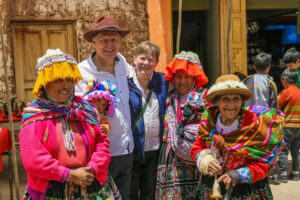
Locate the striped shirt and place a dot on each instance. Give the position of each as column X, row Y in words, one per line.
column 289, row 103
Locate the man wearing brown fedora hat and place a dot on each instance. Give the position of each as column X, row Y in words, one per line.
column 107, row 64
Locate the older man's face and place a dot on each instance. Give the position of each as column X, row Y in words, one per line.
column 107, row 44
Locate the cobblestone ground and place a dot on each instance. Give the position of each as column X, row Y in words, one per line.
column 281, row 191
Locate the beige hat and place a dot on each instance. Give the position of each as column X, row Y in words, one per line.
column 228, row 84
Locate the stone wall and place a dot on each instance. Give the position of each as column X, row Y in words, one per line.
column 131, row 14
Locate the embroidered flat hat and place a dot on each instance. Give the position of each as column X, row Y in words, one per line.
column 106, row 23
column 190, row 63
column 52, row 66
column 104, row 90
column 228, row 84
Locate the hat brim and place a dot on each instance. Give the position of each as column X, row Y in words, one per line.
column 88, row 36
column 247, row 94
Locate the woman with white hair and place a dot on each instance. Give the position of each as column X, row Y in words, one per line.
column 236, row 144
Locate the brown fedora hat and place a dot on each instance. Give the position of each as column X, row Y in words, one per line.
column 106, row 23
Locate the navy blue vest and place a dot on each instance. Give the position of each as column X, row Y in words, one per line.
column 160, row 87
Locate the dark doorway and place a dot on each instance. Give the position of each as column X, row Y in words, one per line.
column 271, row 31
column 192, row 32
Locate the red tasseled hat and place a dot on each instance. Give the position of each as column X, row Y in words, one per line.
column 190, row 63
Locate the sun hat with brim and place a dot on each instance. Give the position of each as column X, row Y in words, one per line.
column 228, row 84
column 52, row 66
column 102, row 91
column 188, row 62
column 106, row 23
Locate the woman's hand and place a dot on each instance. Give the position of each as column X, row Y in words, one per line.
column 82, row 176
column 227, row 180
column 214, row 168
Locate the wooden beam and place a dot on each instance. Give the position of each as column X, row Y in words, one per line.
column 10, row 117
column 239, row 39
column 225, row 39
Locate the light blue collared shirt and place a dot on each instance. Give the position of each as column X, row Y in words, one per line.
column 120, row 134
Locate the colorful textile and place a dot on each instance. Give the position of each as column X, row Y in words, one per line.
column 245, row 174
column 74, row 110
column 259, row 139
column 196, row 105
column 177, row 175
column 38, row 145
column 289, row 103
column 104, row 90
column 182, row 122
column 95, row 191
column 190, row 63
column 258, row 191
column 175, row 179
column 249, row 151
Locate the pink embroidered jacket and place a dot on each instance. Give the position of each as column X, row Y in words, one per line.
column 39, row 153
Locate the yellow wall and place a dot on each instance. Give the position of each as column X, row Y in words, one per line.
column 160, row 28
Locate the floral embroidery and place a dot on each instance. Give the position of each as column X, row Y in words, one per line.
column 245, row 174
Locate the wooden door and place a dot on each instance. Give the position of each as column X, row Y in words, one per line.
column 233, row 37
column 31, row 41
column 239, row 36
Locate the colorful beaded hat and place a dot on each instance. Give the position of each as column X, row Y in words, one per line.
column 55, row 65
column 104, row 90
column 190, row 63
